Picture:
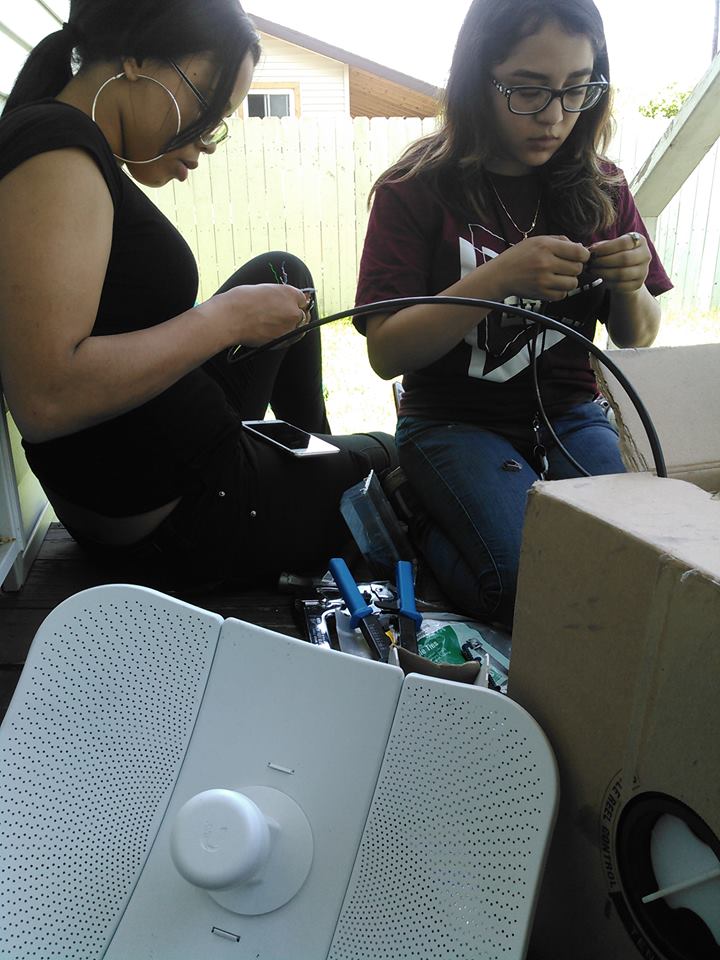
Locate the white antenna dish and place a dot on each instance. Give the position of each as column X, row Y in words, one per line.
column 170, row 781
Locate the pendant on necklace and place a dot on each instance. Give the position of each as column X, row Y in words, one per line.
column 524, row 233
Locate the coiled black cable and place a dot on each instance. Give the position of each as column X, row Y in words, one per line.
column 237, row 354
column 535, row 363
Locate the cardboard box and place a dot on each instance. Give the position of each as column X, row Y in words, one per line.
column 616, row 653
column 680, row 387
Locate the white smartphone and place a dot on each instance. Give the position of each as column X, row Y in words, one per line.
column 293, row 440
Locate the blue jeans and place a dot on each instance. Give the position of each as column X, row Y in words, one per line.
column 473, row 485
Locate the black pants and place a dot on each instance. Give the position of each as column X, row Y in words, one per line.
column 258, row 510
column 289, row 380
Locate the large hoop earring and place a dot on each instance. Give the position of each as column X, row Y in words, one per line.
column 144, row 76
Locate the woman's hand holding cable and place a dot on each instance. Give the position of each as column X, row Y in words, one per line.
column 254, row 315
column 540, row 268
column 622, row 264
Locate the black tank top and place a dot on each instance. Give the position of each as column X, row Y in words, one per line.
column 158, row 451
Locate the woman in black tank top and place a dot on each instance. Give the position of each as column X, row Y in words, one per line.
column 117, row 380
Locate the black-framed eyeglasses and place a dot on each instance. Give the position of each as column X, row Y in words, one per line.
column 527, row 99
column 218, row 133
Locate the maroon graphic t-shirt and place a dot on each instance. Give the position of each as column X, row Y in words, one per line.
column 417, row 246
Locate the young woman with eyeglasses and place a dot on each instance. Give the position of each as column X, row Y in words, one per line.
column 118, row 382
column 510, row 201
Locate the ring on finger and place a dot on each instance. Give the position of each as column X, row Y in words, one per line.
column 635, row 237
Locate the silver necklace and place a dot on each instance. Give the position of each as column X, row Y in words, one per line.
column 525, row 233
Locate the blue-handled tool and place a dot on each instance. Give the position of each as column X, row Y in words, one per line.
column 408, row 617
column 361, row 613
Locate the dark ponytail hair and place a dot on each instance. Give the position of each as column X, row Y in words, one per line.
column 161, row 30
column 47, row 69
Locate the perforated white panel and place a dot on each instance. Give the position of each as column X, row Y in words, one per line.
column 455, row 840
column 282, row 714
column 89, row 752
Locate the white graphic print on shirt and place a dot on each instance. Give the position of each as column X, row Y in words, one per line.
column 499, row 343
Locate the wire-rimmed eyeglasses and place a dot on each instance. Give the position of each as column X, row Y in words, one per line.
column 527, row 99
column 218, row 133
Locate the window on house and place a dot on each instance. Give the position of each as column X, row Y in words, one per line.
column 266, row 104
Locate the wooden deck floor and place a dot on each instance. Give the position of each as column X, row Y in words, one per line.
column 62, row 569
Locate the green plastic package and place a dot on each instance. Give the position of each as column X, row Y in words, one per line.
column 442, row 642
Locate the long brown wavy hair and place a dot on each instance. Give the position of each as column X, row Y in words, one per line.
column 577, row 185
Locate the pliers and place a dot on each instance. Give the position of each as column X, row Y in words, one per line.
column 408, row 617
column 361, row 613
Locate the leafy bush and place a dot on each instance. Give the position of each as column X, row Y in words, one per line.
column 666, row 104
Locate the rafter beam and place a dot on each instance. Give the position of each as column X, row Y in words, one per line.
column 15, row 37
column 48, row 9
column 681, row 148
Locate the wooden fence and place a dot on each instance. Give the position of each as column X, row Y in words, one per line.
column 688, row 238
column 302, row 185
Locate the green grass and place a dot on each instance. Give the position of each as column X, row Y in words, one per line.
column 682, row 327
column 359, row 400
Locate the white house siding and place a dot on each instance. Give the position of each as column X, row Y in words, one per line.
column 324, row 86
